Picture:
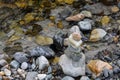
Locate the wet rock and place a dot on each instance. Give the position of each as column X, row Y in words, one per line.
column 76, row 17
column 84, row 78
column 97, row 66
column 42, row 62
column 65, row 13
column 87, row 14
column 42, row 40
column 3, row 62
column 31, row 75
column 15, row 64
column 42, row 51
column 85, row 25
column 24, row 65
column 68, row 78
column 97, row 34
column 20, row 57
column 70, row 68
column 7, row 72
column 41, row 76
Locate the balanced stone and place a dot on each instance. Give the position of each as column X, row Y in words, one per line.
column 73, row 61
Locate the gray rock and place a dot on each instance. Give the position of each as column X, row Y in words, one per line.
column 42, row 62
column 118, row 63
column 42, row 51
column 85, row 25
column 68, row 78
column 15, row 64
column 1, row 77
column 31, row 75
column 3, row 62
column 20, row 57
column 105, row 73
column 49, row 70
column 48, row 77
column 71, row 67
column 24, row 65
column 84, row 78
column 65, row 13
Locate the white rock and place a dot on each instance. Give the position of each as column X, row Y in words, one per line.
column 7, row 72
column 68, row 78
column 85, row 25
column 71, row 67
column 87, row 14
column 24, row 65
column 41, row 76
column 75, row 29
column 84, row 78
column 22, row 72
column 42, row 62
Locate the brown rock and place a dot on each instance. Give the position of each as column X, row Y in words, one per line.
column 114, row 9
column 97, row 66
column 77, row 17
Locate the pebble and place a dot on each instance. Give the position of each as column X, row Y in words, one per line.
column 7, row 72
column 15, row 64
column 11, row 33
column 42, row 51
column 48, row 77
column 49, row 70
column 43, row 40
column 68, row 78
column 76, row 17
column 24, row 65
column 41, row 76
column 118, row 63
column 42, row 62
column 116, row 70
column 114, row 9
column 20, row 57
column 84, row 78
column 105, row 20
column 3, row 62
column 31, row 75
column 21, row 72
column 85, row 25
column 1, row 77
column 105, row 73
column 87, row 14
column 97, row 34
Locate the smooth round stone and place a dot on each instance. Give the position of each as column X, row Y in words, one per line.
column 15, row 64
column 68, row 78
column 84, row 78
column 116, row 70
column 41, row 76
column 24, row 65
column 7, row 72
column 105, row 73
column 85, row 25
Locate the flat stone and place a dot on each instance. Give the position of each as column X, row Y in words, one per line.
column 68, row 78
column 42, row 62
column 15, row 64
column 31, row 75
column 71, row 67
column 20, row 57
